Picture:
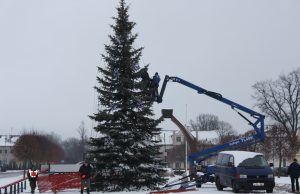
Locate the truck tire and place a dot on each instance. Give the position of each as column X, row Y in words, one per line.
column 218, row 184
column 269, row 190
column 235, row 187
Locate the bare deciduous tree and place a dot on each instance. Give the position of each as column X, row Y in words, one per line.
column 35, row 148
column 225, row 132
column 73, row 150
column 83, row 139
column 277, row 140
column 209, row 122
column 82, row 132
column 275, row 146
column 280, row 100
column 27, row 148
column 205, row 122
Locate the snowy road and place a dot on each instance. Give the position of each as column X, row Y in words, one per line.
column 208, row 188
column 282, row 186
column 10, row 174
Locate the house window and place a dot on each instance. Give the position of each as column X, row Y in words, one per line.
column 178, row 139
column 5, row 151
column 0, row 151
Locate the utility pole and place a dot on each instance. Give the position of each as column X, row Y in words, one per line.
column 165, row 150
column 186, row 147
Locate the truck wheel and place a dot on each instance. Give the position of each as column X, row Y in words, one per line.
column 235, row 187
column 218, row 184
column 198, row 185
column 269, row 190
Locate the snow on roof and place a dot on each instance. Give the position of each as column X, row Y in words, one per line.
column 166, row 137
column 206, row 135
column 240, row 156
column 8, row 140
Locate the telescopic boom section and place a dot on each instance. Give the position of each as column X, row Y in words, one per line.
column 191, row 140
column 258, row 123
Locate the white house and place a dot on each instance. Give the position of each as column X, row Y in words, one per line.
column 7, row 158
column 175, row 139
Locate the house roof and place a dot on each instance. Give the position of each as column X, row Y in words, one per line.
column 206, row 135
column 166, row 136
column 8, row 140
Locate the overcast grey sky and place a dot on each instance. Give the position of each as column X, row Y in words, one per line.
column 49, row 51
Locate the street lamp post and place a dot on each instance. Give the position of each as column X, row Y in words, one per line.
column 186, row 155
column 165, row 150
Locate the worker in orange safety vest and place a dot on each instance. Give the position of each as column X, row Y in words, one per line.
column 32, row 175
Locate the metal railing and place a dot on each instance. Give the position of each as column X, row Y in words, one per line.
column 15, row 187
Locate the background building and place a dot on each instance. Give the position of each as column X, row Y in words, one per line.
column 7, row 159
column 175, row 151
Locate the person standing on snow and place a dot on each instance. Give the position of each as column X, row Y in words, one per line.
column 32, row 175
column 85, row 172
column 294, row 172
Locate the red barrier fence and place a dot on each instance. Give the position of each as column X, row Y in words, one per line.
column 58, row 181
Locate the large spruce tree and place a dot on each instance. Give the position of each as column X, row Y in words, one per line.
column 125, row 152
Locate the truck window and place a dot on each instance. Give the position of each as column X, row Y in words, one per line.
column 225, row 160
column 219, row 159
column 231, row 160
column 257, row 161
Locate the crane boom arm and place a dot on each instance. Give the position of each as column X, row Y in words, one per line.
column 258, row 124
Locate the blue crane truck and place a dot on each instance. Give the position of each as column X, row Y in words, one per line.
column 196, row 158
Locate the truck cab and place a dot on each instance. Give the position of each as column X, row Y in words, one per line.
column 243, row 170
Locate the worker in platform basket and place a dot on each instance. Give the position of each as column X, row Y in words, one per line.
column 85, row 172
column 32, row 175
column 155, row 80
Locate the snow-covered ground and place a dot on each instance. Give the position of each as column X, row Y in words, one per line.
column 10, row 177
column 282, row 186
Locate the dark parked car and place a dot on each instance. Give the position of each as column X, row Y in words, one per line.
column 243, row 170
